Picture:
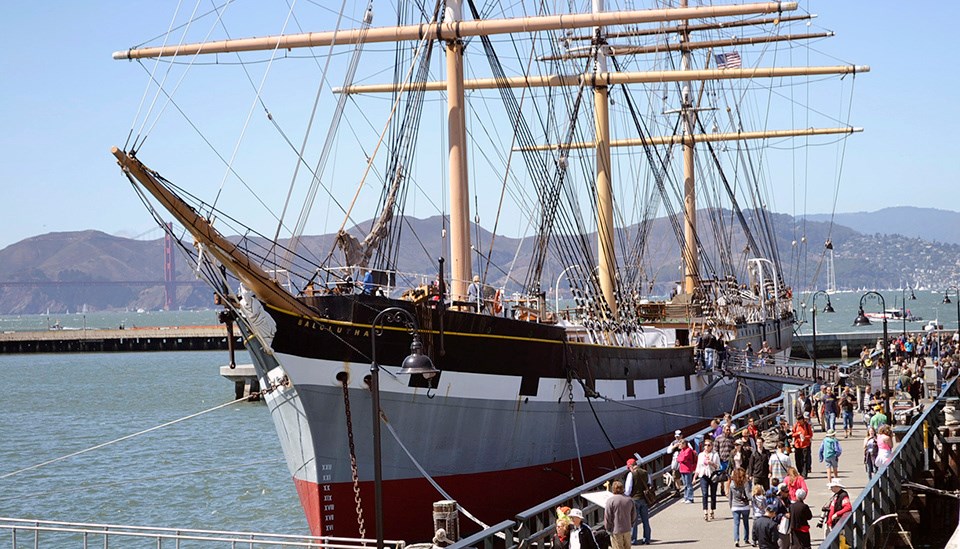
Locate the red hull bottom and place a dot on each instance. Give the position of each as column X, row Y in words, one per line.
column 491, row 497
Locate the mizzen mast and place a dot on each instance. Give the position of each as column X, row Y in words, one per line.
column 690, row 258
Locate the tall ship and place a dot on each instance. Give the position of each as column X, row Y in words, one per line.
column 608, row 152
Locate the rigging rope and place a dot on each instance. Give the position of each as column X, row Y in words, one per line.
column 132, row 435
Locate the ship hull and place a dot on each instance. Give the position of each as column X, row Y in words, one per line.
column 506, row 425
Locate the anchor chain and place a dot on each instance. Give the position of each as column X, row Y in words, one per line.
column 353, row 459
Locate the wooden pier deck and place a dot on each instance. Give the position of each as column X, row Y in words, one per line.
column 164, row 338
column 681, row 525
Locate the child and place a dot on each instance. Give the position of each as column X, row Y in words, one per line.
column 758, row 502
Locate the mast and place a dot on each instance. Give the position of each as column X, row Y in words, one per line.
column 460, row 268
column 689, row 190
column 606, row 257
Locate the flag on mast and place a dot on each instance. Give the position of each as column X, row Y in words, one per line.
column 730, row 60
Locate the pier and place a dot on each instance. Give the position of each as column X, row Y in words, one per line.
column 164, row 338
column 911, row 499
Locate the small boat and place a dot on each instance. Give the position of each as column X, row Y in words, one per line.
column 895, row 314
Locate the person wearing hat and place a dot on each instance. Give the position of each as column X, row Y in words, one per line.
column 637, row 483
column 838, row 506
column 802, row 439
column 879, row 418
column 581, row 536
column 765, row 532
column 830, row 453
column 674, row 449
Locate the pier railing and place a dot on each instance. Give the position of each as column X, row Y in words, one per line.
column 534, row 527
column 922, row 445
column 42, row 533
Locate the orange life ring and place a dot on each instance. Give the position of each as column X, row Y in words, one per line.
column 497, row 304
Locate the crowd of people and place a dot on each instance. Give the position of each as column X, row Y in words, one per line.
column 763, row 475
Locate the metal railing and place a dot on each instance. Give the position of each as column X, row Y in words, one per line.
column 535, row 526
column 44, row 533
column 882, row 494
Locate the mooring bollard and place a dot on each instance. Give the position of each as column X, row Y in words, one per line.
column 446, row 516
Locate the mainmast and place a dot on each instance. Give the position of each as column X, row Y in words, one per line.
column 606, row 257
column 460, row 268
column 689, row 190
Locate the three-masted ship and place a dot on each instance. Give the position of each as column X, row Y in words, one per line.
column 532, row 397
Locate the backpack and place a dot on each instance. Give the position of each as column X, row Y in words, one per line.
column 831, row 448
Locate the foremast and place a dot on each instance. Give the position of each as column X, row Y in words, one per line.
column 690, row 258
column 606, row 254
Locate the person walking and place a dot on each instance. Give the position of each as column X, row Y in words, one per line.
column 870, row 452
column 800, row 516
column 708, row 463
column 619, row 514
column 765, row 530
column 795, row 482
column 848, row 401
column 802, row 439
column 637, row 482
column 884, row 445
column 830, row 451
column 779, row 463
column 758, row 466
column 687, row 465
column 740, row 505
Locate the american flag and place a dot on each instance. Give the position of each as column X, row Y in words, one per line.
column 729, row 60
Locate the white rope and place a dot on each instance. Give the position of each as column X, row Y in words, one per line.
column 253, row 106
column 146, row 89
column 576, row 441
column 127, row 437
column 429, row 478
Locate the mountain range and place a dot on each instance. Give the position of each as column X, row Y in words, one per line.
column 915, row 247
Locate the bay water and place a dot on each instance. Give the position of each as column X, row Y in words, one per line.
column 222, row 470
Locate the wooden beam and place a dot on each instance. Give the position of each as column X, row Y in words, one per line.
column 611, row 78
column 698, row 138
column 454, row 30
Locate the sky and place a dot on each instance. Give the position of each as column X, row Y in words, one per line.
column 64, row 102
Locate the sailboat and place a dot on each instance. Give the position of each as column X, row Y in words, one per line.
column 530, row 400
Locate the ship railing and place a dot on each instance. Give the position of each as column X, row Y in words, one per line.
column 535, row 526
column 45, row 533
column 922, row 448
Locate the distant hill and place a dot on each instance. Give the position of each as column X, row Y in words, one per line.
column 929, row 224
column 875, row 259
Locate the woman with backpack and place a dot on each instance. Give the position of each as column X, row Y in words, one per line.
column 830, row 453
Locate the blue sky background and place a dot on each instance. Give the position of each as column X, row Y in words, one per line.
column 64, row 102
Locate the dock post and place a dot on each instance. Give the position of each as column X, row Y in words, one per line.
column 446, row 515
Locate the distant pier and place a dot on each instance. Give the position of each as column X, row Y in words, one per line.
column 164, row 338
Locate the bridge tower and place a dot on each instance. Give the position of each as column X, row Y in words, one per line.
column 169, row 272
